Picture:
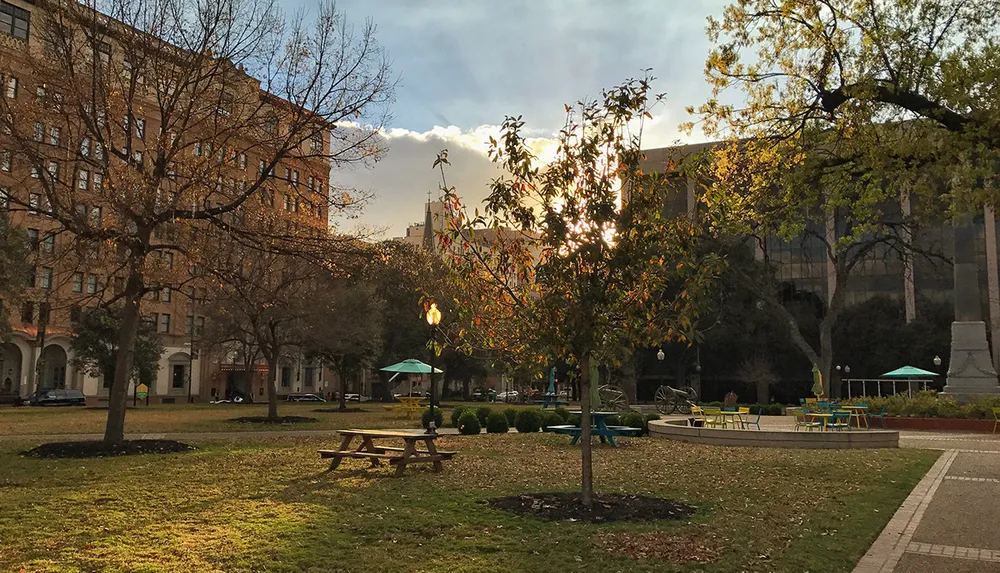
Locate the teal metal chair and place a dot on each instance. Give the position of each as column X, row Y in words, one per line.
column 755, row 422
column 840, row 420
column 880, row 416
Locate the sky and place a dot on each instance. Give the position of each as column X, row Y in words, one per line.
column 463, row 65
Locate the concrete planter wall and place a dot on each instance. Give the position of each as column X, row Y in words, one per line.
column 940, row 424
column 857, row 439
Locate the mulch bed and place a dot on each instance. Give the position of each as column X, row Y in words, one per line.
column 606, row 508
column 96, row 449
column 278, row 420
column 660, row 545
column 339, row 411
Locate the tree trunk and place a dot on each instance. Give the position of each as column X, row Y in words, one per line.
column 272, row 392
column 826, row 357
column 114, row 430
column 629, row 383
column 586, row 452
column 342, row 375
column 763, row 392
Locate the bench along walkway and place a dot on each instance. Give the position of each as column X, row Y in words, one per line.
column 399, row 457
column 599, row 428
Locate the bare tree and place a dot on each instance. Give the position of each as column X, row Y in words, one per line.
column 172, row 114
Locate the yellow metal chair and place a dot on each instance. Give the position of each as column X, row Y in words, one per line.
column 996, row 419
column 812, row 404
column 699, row 415
column 802, row 420
column 714, row 417
column 744, row 416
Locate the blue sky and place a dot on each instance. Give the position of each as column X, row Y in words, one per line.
column 465, row 64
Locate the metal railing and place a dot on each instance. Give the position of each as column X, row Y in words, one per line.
column 886, row 386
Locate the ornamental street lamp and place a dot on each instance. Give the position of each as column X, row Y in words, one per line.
column 433, row 319
column 937, row 361
column 660, row 355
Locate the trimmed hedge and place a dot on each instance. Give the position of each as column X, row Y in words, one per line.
column 562, row 412
column 483, row 413
column 551, row 419
column 928, row 404
column 468, row 424
column 497, row 423
column 456, row 413
column 425, row 418
column 528, row 421
column 511, row 415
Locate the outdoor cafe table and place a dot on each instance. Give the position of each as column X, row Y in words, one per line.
column 599, row 427
column 857, row 413
column 823, row 417
column 407, row 404
column 399, row 457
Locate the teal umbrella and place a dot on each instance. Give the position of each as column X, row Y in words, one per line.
column 410, row 366
column 908, row 372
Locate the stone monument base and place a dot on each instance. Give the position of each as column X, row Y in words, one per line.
column 970, row 370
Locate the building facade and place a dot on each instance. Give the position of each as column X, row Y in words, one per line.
column 63, row 280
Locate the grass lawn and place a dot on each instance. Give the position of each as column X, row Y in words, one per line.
column 266, row 505
column 199, row 418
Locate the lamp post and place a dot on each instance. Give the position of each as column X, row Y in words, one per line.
column 660, row 355
column 433, row 319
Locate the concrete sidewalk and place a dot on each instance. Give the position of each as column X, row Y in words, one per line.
column 950, row 523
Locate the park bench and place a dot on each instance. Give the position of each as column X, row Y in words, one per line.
column 397, row 456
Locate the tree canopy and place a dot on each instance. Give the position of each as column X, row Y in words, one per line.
column 95, row 345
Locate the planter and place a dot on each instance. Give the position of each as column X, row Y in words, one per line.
column 939, row 424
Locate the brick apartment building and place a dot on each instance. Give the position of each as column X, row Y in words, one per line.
column 63, row 280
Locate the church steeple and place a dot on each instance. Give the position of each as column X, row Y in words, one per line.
column 429, row 227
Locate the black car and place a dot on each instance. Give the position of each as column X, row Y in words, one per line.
column 52, row 397
column 304, row 398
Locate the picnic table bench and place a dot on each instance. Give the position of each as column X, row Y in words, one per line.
column 552, row 400
column 399, row 457
column 598, row 428
column 408, row 405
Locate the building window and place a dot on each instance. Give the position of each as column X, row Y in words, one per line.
column 243, row 160
column 14, row 21
column 49, row 244
column 165, row 294
column 140, row 128
column 4, row 198
column 188, row 324
column 295, row 178
column 95, row 216
column 29, row 279
column 11, row 87
column 316, row 143
column 46, row 278
column 83, row 180
column 28, row 312
column 91, row 284
column 74, row 313
column 54, row 169
column 310, row 376
column 33, row 235
column 78, row 282
column 286, row 376
column 85, row 147
column 39, row 131
column 197, row 149
column 199, row 325
column 312, row 183
column 261, row 168
column 5, row 161
column 54, row 134
column 98, row 182
column 288, row 202
column 34, row 200
column 165, row 323
column 169, row 258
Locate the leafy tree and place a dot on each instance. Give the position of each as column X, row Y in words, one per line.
column 182, row 112
column 344, row 328
column 95, row 345
column 555, row 268
column 757, row 371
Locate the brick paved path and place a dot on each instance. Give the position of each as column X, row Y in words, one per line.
column 950, row 523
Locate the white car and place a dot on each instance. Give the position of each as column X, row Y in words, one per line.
column 509, row 396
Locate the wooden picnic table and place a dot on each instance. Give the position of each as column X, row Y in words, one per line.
column 394, row 455
column 552, row 400
column 599, row 428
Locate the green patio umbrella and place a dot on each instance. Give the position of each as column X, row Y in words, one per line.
column 908, row 372
column 410, row 366
column 817, row 388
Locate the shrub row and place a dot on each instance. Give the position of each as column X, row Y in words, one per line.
column 928, row 404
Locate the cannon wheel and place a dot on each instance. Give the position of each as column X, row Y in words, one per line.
column 613, row 397
column 666, row 400
column 684, row 404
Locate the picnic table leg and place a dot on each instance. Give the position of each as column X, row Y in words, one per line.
column 368, row 446
column 432, row 450
column 576, row 438
column 345, row 443
column 411, row 447
column 602, row 425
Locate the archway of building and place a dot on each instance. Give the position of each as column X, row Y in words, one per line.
column 10, row 369
column 54, row 362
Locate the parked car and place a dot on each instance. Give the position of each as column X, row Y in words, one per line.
column 304, row 398
column 52, row 397
column 356, row 398
column 508, row 396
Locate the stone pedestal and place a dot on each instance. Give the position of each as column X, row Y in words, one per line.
column 970, row 370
